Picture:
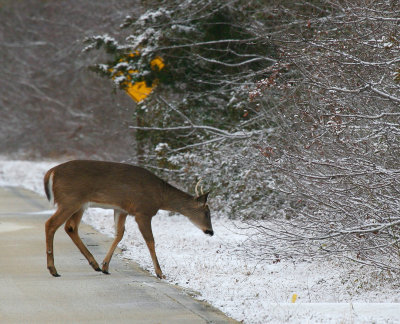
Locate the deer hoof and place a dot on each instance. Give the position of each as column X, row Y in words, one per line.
column 95, row 265
column 53, row 271
column 104, row 268
column 160, row 276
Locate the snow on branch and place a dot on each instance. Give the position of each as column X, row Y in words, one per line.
column 217, row 131
column 335, row 151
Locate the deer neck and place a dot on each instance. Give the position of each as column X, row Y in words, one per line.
column 176, row 200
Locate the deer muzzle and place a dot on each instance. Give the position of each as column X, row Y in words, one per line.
column 209, row 232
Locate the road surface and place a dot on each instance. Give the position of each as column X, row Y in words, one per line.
column 29, row 294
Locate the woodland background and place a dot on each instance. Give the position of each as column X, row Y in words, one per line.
column 288, row 110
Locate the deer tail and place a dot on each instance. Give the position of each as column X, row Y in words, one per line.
column 48, row 186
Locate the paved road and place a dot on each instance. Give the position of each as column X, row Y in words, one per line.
column 28, row 294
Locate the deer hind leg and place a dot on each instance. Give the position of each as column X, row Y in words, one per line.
column 71, row 227
column 51, row 226
column 119, row 219
column 144, row 224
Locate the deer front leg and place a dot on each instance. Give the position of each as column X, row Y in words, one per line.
column 144, row 223
column 119, row 218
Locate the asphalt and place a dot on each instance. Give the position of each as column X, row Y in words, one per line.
column 29, row 294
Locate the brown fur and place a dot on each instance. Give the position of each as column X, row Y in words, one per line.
column 127, row 189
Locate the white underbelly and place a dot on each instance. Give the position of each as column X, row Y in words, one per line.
column 92, row 204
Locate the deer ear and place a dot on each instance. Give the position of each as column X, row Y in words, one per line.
column 203, row 198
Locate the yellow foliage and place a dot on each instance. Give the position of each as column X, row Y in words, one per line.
column 138, row 91
column 158, row 61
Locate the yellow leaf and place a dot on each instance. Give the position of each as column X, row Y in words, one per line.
column 158, row 61
column 294, row 298
column 138, row 90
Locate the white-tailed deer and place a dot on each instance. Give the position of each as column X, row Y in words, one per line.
column 76, row 185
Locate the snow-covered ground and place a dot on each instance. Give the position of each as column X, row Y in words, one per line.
column 215, row 268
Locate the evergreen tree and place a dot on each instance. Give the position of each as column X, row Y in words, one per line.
column 212, row 54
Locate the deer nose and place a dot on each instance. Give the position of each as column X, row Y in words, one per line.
column 209, row 232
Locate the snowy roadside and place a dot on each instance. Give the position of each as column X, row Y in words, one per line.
column 216, row 270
